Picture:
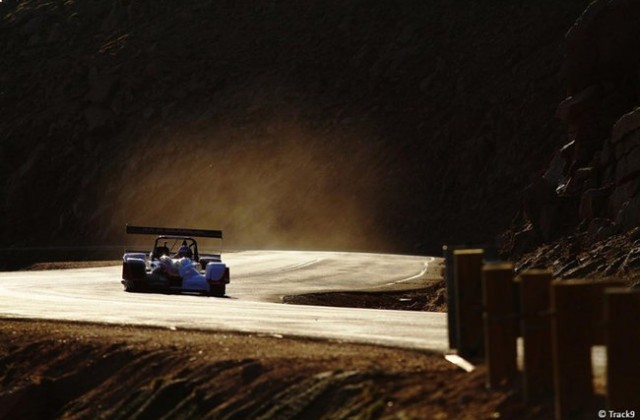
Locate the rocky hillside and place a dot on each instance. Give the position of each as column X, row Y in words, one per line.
column 320, row 124
column 587, row 202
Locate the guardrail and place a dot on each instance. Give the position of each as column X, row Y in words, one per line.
column 558, row 321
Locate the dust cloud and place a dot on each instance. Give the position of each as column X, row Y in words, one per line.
column 276, row 184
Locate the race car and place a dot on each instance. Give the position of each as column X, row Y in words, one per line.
column 174, row 264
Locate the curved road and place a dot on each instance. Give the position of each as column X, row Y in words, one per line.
column 258, row 281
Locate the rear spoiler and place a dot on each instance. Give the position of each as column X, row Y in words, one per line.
column 145, row 230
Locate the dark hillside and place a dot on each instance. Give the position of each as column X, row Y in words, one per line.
column 318, row 124
column 585, row 207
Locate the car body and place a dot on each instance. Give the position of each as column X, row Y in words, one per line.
column 167, row 268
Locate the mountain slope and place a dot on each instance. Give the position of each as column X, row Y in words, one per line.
column 350, row 125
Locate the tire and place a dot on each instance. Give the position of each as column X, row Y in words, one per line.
column 217, row 290
column 128, row 286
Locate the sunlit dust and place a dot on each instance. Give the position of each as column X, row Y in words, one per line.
column 277, row 185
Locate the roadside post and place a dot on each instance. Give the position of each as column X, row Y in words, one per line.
column 571, row 334
column 577, row 325
column 500, row 323
column 622, row 338
column 447, row 251
column 467, row 266
column 535, row 304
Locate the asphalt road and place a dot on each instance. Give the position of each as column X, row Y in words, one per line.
column 258, row 281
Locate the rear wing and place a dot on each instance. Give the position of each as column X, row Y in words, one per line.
column 146, row 230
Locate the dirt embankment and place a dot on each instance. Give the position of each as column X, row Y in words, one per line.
column 431, row 299
column 50, row 370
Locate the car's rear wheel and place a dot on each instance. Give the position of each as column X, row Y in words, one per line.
column 217, row 290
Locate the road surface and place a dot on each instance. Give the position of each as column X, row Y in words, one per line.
column 258, row 281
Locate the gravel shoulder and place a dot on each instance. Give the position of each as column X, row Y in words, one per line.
column 54, row 369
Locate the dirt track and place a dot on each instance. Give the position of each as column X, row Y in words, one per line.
column 87, row 371
column 82, row 370
column 50, row 369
